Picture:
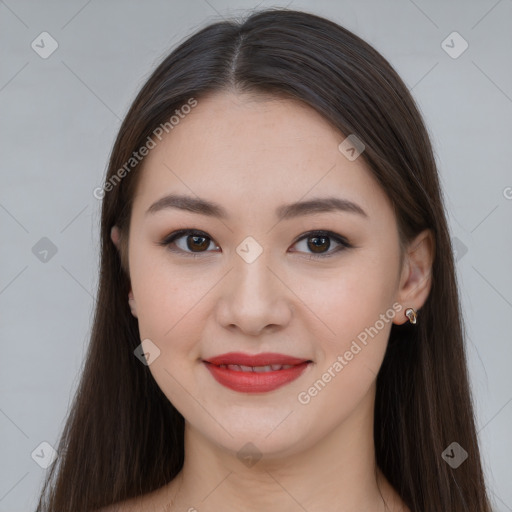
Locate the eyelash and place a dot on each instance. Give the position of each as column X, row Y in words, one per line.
column 344, row 244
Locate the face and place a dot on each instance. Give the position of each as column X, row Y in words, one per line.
column 260, row 278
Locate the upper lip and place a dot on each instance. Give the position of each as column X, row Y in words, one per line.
column 263, row 359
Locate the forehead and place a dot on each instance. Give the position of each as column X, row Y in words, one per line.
column 243, row 150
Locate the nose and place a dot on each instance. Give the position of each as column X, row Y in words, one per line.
column 254, row 298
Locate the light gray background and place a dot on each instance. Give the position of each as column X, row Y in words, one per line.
column 59, row 119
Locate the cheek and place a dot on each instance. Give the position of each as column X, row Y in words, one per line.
column 348, row 361
column 355, row 306
column 171, row 313
column 353, row 296
column 167, row 295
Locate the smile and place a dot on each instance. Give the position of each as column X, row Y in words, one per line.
column 255, row 379
column 268, row 368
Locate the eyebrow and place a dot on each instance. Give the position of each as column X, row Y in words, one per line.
column 284, row 212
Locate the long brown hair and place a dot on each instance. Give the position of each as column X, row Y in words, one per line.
column 123, row 437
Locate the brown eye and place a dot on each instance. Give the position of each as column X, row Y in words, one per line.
column 319, row 242
column 197, row 242
column 188, row 241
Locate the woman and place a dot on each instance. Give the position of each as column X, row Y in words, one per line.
column 278, row 324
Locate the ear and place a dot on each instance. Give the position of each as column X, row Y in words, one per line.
column 122, row 247
column 416, row 277
column 131, row 302
column 115, row 235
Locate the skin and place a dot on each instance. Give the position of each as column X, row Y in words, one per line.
column 252, row 154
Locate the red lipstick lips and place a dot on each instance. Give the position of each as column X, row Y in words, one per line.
column 255, row 373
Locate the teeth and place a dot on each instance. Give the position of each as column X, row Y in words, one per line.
column 257, row 369
column 244, row 368
column 262, row 369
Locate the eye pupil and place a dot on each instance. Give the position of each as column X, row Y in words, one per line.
column 197, row 242
column 314, row 246
column 204, row 245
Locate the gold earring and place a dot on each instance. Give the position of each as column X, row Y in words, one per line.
column 411, row 314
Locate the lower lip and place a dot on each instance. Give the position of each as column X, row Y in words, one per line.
column 255, row 382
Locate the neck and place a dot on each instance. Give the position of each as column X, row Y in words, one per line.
column 337, row 472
